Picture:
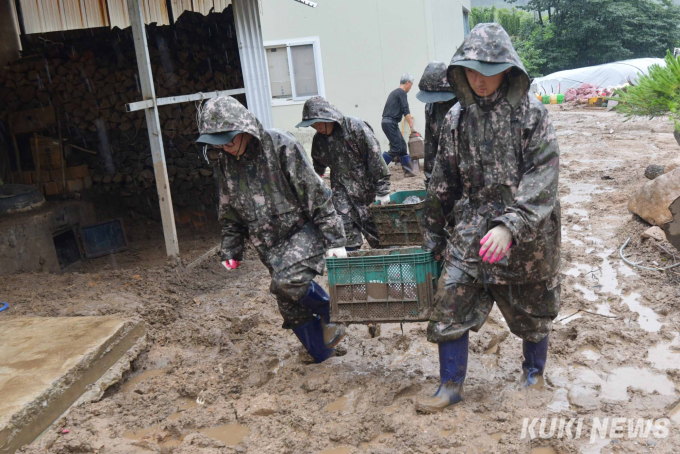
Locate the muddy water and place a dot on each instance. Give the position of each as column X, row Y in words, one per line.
column 543, row 451
column 591, row 353
column 130, row 384
column 230, row 434
column 183, row 405
column 345, row 403
column 665, row 356
column 341, row 450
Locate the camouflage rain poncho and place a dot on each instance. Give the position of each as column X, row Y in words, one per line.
column 502, row 153
column 358, row 171
column 271, row 194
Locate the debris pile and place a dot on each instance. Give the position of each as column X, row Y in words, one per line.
column 585, row 92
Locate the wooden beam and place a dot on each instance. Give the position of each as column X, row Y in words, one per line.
column 153, row 125
column 139, row 105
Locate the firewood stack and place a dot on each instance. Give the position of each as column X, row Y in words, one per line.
column 90, row 77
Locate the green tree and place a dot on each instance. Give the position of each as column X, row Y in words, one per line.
column 592, row 32
column 655, row 94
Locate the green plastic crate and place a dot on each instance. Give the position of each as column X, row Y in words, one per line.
column 396, row 285
column 398, row 224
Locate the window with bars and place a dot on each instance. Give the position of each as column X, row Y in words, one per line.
column 294, row 70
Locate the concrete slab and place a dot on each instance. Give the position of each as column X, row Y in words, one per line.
column 46, row 364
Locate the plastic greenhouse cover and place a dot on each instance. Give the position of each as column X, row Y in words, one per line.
column 601, row 76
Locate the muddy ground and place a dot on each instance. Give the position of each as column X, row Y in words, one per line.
column 216, row 337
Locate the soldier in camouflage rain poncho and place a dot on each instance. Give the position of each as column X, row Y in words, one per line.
column 435, row 92
column 270, row 194
column 359, row 175
column 499, row 148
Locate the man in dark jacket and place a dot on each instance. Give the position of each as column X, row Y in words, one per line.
column 395, row 108
column 499, row 148
column 359, row 176
column 435, row 92
column 270, row 194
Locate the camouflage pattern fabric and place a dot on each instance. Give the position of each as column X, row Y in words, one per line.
column 497, row 163
column 271, row 194
column 463, row 303
column 290, row 285
column 434, row 79
column 358, row 171
column 434, row 119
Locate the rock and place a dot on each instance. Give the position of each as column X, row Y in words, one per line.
column 652, row 200
column 263, row 405
column 654, row 170
column 655, row 233
column 672, row 229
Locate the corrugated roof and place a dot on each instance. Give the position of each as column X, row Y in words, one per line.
column 42, row 16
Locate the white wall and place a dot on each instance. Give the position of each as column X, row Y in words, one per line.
column 365, row 47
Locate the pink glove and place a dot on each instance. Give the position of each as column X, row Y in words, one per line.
column 495, row 244
column 231, row 264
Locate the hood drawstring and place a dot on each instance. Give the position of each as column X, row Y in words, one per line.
column 487, row 104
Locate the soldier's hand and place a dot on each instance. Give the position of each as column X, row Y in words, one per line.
column 382, row 199
column 231, row 264
column 495, row 244
column 339, row 252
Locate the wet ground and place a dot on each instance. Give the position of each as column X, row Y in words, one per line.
column 221, row 376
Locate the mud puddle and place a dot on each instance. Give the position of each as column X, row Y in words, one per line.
column 134, row 381
column 229, row 434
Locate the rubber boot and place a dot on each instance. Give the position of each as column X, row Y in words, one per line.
column 311, row 335
column 387, row 158
column 535, row 356
column 453, row 358
column 406, row 164
column 319, row 302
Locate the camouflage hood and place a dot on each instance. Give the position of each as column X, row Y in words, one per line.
column 434, row 78
column 318, row 107
column 225, row 113
column 488, row 43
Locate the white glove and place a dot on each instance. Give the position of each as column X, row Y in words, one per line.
column 495, row 244
column 339, row 252
column 382, row 199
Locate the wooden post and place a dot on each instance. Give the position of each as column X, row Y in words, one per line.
column 17, row 156
column 37, row 162
column 62, row 155
column 153, row 125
